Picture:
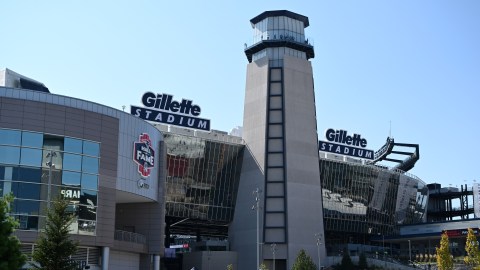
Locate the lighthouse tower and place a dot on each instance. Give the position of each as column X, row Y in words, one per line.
column 281, row 163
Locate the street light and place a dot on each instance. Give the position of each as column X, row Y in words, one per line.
column 410, row 251
column 274, row 248
column 383, row 249
column 256, row 207
column 50, row 165
column 318, row 236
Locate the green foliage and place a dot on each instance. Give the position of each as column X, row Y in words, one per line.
column 230, row 267
column 54, row 247
column 347, row 263
column 303, row 262
column 471, row 247
column 10, row 256
column 263, row 267
column 444, row 257
column 362, row 261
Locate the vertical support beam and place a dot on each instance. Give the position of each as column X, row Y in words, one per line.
column 156, row 262
column 105, row 257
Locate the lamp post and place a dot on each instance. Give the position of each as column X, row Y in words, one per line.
column 256, row 207
column 384, row 253
column 50, row 165
column 318, row 236
column 410, row 251
column 274, row 248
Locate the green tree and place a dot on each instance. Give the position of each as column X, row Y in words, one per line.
column 471, row 247
column 54, row 247
column 303, row 262
column 10, row 255
column 347, row 263
column 362, row 261
column 444, row 258
column 230, row 267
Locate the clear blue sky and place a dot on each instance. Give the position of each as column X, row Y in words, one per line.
column 414, row 63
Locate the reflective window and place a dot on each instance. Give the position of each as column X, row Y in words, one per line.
column 54, row 175
column 72, row 162
column 32, row 139
column 87, row 212
column 89, row 164
column 210, row 193
column 91, row 148
column 27, row 222
column 72, row 145
column 11, row 137
column 25, row 207
column 8, row 173
column 9, row 154
column 28, row 174
column 71, row 179
column 88, row 198
column 86, row 227
column 3, row 192
column 26, row 191
column 89, row 181
column 71, row 194
column 31, row 157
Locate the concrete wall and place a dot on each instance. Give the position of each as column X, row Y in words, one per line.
column 211, row 260
column 120, row 260
column 304, row 203
column 242, row 232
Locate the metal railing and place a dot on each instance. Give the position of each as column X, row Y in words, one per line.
column 130, row 237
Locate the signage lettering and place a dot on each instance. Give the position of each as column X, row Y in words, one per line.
column 339, row 142
column 164, row 102
column 68, row 193
column 163, row 108
column 340, row 136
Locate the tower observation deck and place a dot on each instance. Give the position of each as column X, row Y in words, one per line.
column 279, row 32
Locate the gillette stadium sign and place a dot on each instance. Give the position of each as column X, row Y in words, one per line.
column 341, row 143
column 164, row 109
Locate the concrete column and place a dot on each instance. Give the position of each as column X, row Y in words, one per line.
column 105, row 257
column 156, row 262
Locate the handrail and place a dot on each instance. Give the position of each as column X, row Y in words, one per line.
column 130, row 237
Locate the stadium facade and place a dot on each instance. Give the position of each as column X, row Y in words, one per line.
column 144, row 191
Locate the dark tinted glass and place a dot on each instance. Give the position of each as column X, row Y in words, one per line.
column 26, row 207
column 26, row 174
column 89, row 198
column 87, row 212
column 26, row 191
column 27, row 222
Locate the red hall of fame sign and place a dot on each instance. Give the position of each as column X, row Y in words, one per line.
column 144, row 155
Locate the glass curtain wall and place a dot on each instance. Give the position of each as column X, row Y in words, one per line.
column 361, row 201
column 29, row 161
column 202, row 177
